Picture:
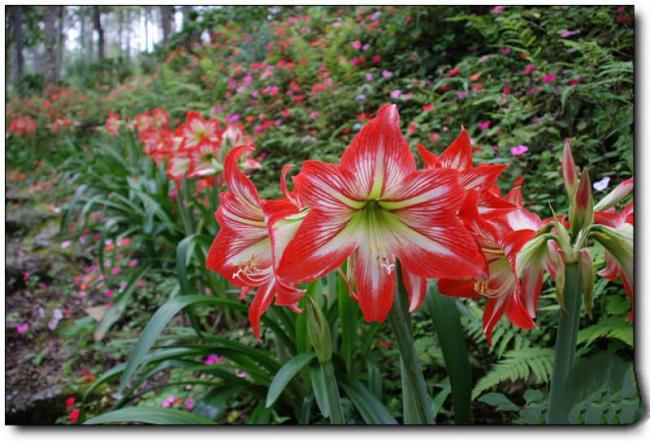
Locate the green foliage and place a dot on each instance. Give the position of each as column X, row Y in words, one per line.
column 531, row 365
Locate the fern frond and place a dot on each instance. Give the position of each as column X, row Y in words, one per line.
column 518, row 364
column 612, row 327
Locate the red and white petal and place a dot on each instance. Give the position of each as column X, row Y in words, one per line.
column 494, row 309
column 459, row 154
column 239, row 184
column 416, row 287
column 518, row 314
column 429, row 192
column 431, row 161
column 379, row 158
column 324, row 187
column 263, row 298
column 375, row 284
column 321, row 244
column 480, row 178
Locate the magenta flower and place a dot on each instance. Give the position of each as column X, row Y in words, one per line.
column 376, row 59
column 529, row 69
column 116, row 271
column 395, row 94
column 214, row 359
column 461, row 95
column 232, row 119
column 386, row 73
column 566, row 33
column 356, row 44
column 506, row 51
column 65, row 244
column 533, row 90
column 133, row 263
column 108, row 293
column 484, row 125
column 498, row 9
column 168, row 402
column 21, row 329
column 548, row 78
column 518, row 150
column 189, row 403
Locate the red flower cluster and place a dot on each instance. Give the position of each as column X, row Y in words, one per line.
column 22, row 126
column 195, row 149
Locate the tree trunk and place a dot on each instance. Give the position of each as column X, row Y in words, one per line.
column 146, row 28
column 100, row 32
column 128, row 33
column 19, row 61
column 49, row 71
column 120, row 31
column 60, row 43
column 166, row 21
column 187, row 10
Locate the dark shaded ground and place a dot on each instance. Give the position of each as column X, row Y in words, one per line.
column 36, row 269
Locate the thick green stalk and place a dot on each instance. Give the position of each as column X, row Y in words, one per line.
column 417, row 397
column 565, row 346
column 446, row 321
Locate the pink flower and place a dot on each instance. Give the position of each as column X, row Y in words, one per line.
column 427, row 107
column 529, row 69
column 116, row 271
column 365, row 47
column 232, row 119
column 240, row 373
column 189, row 403
column 214, row 359
column 548, row 78
column 21, row 329
column 356, row 44
column 26, row 277
column 376, row 59
column 133, row 263
column 506, row 90
column 533, row 90
column 65, row 244
column 369, row 76
column 74, row 416
column 69, row 403
column 108, row 293
column 566, row 33
column 434, row 137
column 395, row 94
column 506, row 51
column 574, row 82
column 168, row 402
column 461, row 95
column 518, row 150
column 386, row 73
column 314, row 115
column 484, row 125
column 498, row 9
column 477, row 87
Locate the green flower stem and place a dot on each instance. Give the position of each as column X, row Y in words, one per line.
column 565, row 345
column 417, row 399
column 182, row 196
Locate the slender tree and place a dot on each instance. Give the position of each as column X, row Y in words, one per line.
column 128, row 33
column 120, row 30
column 100, row 32
column 49, row 67
column 60, row 42
column 167, row 21
column 19, row 60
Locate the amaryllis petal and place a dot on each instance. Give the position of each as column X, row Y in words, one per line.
column 430, row 160
column 458, row 288
column 325, row 187
column 379, row 157
column 374, row 283
column 459, row 154
column 416, row 287
column 620, row 192
column 494, row 309
column 481, row 177
column 260, row 304
column 321, row 244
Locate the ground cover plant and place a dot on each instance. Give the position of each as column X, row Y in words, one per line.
column 324, row 215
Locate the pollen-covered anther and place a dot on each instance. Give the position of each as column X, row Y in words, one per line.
column 249, row 271
column 388, row 265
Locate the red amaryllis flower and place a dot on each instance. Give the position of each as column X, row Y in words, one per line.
column 374, row 207
column 458, row 156
column 197, row 131
column 112, row 125
column 253, row 235
column 615, row 266
column 501, row 237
